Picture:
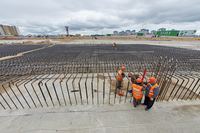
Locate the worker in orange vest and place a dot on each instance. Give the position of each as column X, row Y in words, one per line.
column 133, row 77
column 152, row 91
column 119, row 79
column 114, row 45
column 137, row 92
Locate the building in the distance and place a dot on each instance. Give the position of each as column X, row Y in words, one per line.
column 1, row 31
column 124, row 33
column 133, row 32
column 128, row 32
column 7, row 30
column 164, row 32
column 187, row 33
column 144, row 31
column 162, row 29
column 153, row 32
column 115, row 33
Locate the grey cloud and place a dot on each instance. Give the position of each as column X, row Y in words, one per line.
column 50, row 16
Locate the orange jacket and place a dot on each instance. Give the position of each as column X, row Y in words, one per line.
column 151, row 90
column 137, row 91
column 119, row 75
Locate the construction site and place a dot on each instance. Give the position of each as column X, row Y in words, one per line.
column 79, row 78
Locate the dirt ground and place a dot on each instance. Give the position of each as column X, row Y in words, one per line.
column 114, row 38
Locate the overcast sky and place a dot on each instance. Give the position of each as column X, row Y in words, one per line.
column 99, row 16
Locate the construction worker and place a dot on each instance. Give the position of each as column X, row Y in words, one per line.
column 114, row 45
column 137, row 92
column 133, row 77
column 119, row 78
column 152, row 90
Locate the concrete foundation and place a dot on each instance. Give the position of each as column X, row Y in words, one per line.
column 165, row 117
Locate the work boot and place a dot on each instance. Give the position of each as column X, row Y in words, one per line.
column 146, row 109
column 135, row 105
column 121, row 93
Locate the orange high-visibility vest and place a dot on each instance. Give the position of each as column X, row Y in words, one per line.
column 119, row 75
column 151, row 90
column 137, row 91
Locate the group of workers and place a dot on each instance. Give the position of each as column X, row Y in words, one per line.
column 148, row 90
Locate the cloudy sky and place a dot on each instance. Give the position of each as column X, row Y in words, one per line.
column 99, row 16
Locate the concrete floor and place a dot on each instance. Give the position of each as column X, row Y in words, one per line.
column 172, row 43
column 194, row 45
column 164, row 117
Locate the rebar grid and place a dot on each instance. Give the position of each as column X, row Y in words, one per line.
column 65, row 75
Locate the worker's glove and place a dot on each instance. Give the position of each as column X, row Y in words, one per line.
column 130, row 91
column 144, row 85
column 148, row 84
column 151, row 99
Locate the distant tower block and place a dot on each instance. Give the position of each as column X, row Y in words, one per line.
column 67, row 30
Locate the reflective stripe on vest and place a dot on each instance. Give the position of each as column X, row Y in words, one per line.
column 151, row 90
column 137, row 91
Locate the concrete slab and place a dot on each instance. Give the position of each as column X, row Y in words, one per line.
column 180, row 44
column 165, row 117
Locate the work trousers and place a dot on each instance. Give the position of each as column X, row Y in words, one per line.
column 136, row 102
column 118, row 84
column 149, row 103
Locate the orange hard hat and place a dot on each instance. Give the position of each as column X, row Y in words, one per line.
column 139, row 80
column 123, row 67
column 152, row 80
